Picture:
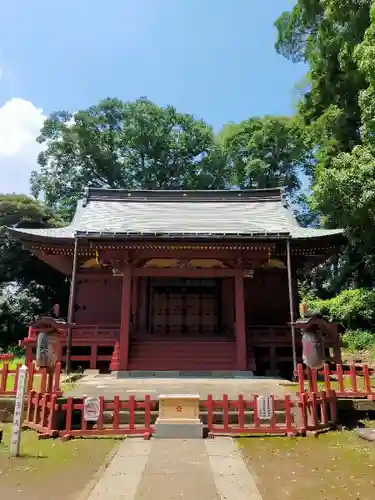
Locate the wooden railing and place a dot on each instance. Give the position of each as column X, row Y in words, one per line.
column 294, row 416
column 350, row 382
column 91, row 332
column 41, row 379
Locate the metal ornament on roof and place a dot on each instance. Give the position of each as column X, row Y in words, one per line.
column 248, row 273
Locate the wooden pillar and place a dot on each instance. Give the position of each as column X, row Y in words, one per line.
column 71, row 306
column 291, row 302
column 125, row 318
column 135, row 281
column 239, row 298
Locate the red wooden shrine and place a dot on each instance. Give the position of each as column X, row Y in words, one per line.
column 187, row 281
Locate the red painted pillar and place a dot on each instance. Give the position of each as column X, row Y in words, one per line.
column 125, row 318
column 135, row 303
column 239, row 299
column 142, row 317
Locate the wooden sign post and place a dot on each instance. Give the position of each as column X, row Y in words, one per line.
column 18, row 412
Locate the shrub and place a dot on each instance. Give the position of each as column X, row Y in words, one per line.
column 359, row 340
column 354, row 309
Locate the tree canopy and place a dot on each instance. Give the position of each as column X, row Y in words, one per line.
column 28, row 286
column 129, row 145
column 266, row 152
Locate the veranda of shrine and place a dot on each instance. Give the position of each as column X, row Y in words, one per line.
column 183, row 281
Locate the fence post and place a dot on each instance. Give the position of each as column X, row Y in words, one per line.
column 288, row 413
column 301, row 378
column 303, row 404
column 367, row 381
column 241, row 411
column 132, row 407
column 210, row 413
column 148, row 412
column 56, row 384
column 226, row 412
column 340, row 378
column 30, row 379
column 4, row 377
column 16, row 377
column 256, row 413
column 327, row 377
column 353, row 378
column 116, row 414
column 51, row 416
column 323, row 408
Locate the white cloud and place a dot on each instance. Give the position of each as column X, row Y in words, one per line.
column 20, row 123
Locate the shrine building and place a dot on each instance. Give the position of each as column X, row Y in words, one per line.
column 182, row 281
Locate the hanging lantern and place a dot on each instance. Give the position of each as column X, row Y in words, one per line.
column 45, row 350
column 312, row 349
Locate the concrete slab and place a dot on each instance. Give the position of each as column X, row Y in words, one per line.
column 123, row 475
column 107, row 386
column 232, row 478
column 177, row 469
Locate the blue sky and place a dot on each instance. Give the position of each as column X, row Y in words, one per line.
column 212, row 58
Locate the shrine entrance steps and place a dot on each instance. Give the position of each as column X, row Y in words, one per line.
column 182, row 355
column 173, row 374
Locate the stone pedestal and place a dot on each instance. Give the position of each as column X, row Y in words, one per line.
column 178, row 417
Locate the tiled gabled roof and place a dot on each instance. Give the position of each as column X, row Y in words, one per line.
column 166, row 214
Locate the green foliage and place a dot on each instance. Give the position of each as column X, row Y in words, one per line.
column 359, row 340
column 352, row 308
column 133, row 145
column 21, row 211
column 28, row 286
column 337, row 39
column 266, row 152
column 17, row 309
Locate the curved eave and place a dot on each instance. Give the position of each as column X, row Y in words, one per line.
column 56, row 236
column 333, row 238
column 60, row 236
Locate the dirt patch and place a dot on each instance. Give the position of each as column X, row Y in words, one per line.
column 335, row 466
column 50, row 468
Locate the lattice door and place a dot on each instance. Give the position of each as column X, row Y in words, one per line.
column 209, row 312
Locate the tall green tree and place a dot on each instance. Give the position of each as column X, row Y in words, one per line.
column 345, row 189
column 267, row 152
column 130, row 145
column 327, row 34
column 27, row 285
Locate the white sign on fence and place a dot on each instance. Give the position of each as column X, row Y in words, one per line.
column 265, row 407
column 18, row 412
column 91, row 409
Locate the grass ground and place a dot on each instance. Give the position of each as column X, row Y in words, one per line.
column 49, row 468
column 335, row 466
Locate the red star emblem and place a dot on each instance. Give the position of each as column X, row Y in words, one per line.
column 179, row 409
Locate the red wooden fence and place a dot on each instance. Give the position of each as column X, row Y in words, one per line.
column 42, row 416
column 42, row 379
column 51, row 416
column 354, row 382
